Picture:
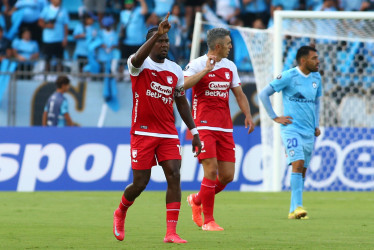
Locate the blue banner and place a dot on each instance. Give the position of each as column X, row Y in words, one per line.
column 36, row 158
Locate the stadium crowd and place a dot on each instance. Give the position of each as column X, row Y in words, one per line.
column 97, row 31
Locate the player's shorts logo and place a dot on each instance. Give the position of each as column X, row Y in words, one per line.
column 227, row 74
column 169, row 79
column 134, row 153
column 314, row 85
column 292, row 153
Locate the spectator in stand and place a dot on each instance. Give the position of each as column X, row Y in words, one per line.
column 84, row 33
column 253, row 9
column 271, row 20
column 5, row 51
column 191, row 7
column 162, row 7
column 258, row 24
column 327, row 5
column 311, row 4
column 287, row 4
column 109, row 39
column 31, row 10
column 176, row 34
column 152, row 21
column 25, row 49
column 367, row 5
column 229, row 10
column 133, row 28
column 97, row 6
column 6, row 8
column 54, row 21
column 350, row 5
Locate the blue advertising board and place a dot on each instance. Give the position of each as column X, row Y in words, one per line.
column 37, row 159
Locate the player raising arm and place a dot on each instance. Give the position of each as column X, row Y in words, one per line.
column 211, row 77
column 156, row 83
column 301, row 88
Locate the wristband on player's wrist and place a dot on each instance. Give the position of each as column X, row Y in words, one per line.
column 194, row 131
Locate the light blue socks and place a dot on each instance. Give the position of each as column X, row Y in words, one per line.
column 297, row 186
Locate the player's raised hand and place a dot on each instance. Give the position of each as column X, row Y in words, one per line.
column 210, row 62
column 249, row 124
column 196, row 144
column 285, row 120
column 164, row 26
column 317, row 132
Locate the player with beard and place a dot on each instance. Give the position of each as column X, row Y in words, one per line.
column 301, row 89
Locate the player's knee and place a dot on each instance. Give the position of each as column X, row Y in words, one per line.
column 140, row 186
column 226, row 179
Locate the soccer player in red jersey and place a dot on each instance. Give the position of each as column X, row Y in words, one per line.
column 211, row 76
column 156, row 83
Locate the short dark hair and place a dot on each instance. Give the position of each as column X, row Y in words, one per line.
column 304, row 51
column 150, row 32
column 215, row 34
column 62, row 80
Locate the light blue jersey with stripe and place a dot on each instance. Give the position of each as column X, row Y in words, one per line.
column 300, row 92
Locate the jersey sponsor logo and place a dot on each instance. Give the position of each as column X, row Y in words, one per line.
column 194, row 107
column 154, row 74
column 169, row 79
column 161, row 88
column 217, row 93
column 211, row 75
column 227, row 74
column 204, row 122
column 314, row 85
column 219, row 85
column 298, row 97
column 144, row 127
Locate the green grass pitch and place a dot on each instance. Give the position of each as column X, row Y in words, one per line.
column 83, row 220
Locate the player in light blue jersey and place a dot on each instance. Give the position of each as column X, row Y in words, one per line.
column 301, row 88
column 56, row 111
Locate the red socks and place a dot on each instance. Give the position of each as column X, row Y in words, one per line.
column 172, row 213
column 218, row 188
column 207, row 193
column 125, row 204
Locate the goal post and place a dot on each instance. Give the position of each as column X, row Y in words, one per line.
column 343, row 158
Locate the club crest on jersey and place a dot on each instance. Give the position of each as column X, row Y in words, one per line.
column 279, row 76
column 169, row 79
column 134, row 153
column 227, row 74
column 314, row 85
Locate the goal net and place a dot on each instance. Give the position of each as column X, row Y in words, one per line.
column 343, row 158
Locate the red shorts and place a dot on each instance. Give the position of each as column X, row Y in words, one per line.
column 146, row 151
column 217, row 144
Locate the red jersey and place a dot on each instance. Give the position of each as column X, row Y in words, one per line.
column 154, row 86
column 210, row 102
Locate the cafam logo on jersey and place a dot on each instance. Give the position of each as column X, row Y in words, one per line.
column 219, row 85
column 161, row 88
